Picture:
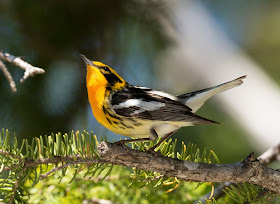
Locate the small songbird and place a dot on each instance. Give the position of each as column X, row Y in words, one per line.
column 141, row 112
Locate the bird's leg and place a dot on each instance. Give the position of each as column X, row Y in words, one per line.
column 164, row 138
column 153, row 136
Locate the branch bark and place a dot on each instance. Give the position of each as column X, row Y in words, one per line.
column 249, row 170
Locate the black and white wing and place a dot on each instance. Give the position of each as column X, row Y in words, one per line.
column 148, row 104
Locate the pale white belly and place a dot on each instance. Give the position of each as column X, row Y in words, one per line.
column 143, row 131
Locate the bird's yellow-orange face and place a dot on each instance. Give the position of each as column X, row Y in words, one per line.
column 99, row 74
column 95, row 74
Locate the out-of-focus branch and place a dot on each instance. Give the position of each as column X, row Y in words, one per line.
column 8, row 76
column 29, row 69
column 82, row 161
column 270, row 155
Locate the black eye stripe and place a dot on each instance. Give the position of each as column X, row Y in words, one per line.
column 112, row 78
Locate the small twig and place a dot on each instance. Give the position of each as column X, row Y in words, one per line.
column 54, row 160
column 43, row 176
column 6, row 153
column 8, row 168
column 8, row 76
column 29, row 69
column 15, row 189
column 32, row 163
column 73, row 159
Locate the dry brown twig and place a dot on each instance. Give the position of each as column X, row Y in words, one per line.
column 17, row 61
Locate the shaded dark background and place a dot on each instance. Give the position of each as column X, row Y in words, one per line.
column 126, row 35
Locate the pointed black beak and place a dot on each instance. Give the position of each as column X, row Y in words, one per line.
column 86, row 60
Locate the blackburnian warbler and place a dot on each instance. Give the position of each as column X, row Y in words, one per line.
column 141, row 112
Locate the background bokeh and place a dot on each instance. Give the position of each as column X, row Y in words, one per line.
column 132, row 37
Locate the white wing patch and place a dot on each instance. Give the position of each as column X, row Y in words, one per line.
column 139, row 103
column 163, row 94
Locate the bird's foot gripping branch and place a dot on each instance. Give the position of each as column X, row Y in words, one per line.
column 81, row 155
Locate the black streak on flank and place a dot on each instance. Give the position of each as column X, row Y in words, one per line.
column 127, row 126
column 109, row 121
column 137, row 124
column 106, row 112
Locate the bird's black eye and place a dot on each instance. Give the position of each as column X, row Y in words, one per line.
column 106, row 69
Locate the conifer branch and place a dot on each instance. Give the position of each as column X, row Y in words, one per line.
column 89, row 161
column 83, row 152
column 249, row 170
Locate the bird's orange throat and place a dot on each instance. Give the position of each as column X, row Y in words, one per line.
column 96, row 93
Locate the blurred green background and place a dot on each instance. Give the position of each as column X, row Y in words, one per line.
column 128, row 36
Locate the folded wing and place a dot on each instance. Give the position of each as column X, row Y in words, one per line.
column 148, row 104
